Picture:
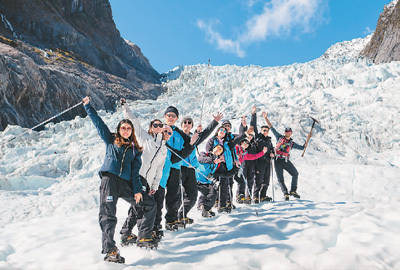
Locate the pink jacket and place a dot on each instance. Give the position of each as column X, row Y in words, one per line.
column 243, row 155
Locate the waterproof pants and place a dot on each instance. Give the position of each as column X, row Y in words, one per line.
column 173, row 196
column 111, row 189
column 280, row 165
column 208, row 195
column 263, row 172
column 188, row 178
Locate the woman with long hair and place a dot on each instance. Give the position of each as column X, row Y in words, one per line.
column 154, row 154
column 120, row 179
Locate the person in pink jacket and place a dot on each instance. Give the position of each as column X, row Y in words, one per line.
column 241, row 151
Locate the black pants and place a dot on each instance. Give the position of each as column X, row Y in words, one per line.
column 111, row 189
column 225, row 190
column 241, row 184
column 173, row 196
column 263, row 172
column 208, row 196
column 280, row 165
column 249, row 172
column 131, row 220
column 189, row 183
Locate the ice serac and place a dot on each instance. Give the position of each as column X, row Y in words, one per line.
column 52, row 53
column 384, row 46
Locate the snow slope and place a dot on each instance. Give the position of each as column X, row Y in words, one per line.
column 349, row 178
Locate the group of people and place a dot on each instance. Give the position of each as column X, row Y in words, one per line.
column 163, row 163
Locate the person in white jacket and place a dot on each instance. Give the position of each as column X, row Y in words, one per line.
column 154, row 154
column 153, row 158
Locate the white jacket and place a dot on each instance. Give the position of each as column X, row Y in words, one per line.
column 154, row 151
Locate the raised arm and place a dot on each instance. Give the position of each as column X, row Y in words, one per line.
column 207, row 131
column 243, row 126
column 253, row 121
column 101, row 127
column 141, row 133
column 298, row 146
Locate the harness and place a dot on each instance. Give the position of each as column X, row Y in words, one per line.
column 283, row 147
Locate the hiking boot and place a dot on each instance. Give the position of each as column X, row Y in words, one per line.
column 294, row 194
column 113, row 256
column 184, row 221
column 256, row 200
column 266, row 199
column 207, row 214
column 216, row 203
column 157, row 235
column 230, row 205
column 127, row 240
column 247, row 200
column 147, row 243
column 171, row 226
column 211, row 212
column 286, row 197
column 223, row 209
column 240, row 199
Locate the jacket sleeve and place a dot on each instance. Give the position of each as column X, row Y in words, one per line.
column 253, row 122
column 141, row 133
column 276, row 133
column 136, row 164
column 101, row 127
column 298, row 146
column 206, row 132
column 242, row 129
column 210, row 145
column 184, row 153
column 253, row 156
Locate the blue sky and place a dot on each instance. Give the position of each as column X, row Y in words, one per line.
column 241, row 32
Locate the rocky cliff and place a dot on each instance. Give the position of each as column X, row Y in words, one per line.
column 385, row 43
column 54, row 52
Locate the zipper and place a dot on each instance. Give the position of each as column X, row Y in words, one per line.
column 151, row 162
column 122, row 163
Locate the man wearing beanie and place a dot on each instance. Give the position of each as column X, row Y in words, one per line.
column 181, row 144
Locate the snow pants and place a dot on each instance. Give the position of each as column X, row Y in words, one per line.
column 263, row 172
column 188, row 178
column 225, row 190
column 280, row 165
column 249, row 172
column 241, row 184
column 173, row 196
column 207, row 197
column 111, row 189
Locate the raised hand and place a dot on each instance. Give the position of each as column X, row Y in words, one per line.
column 254, row 109
column 199, row 128
column 218, row 117
column 194, row 138
column 244, row 122
column 86, row 100
column 122, row 101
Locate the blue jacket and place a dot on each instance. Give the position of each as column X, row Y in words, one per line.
column 228, row 154
column 179, row 142
column 123, row 161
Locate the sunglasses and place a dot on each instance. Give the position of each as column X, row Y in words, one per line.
column 125, row 128
column 265, row 130
column 222, row 130
column 227, row 126
column 158, row 125
column 167, row 132
column 171, row 115
column 187, row 122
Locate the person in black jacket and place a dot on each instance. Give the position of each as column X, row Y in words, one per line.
column 120, row 179
column 188, row 175
column 263, row 164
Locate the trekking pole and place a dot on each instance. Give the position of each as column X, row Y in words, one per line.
column 46, row 121
column 188, row 163
column 205, row 85
column 272, row 179
column 183, row 203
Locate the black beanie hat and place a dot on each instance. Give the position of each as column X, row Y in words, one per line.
column 172, row 109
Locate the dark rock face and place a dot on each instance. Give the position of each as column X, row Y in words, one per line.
column 384, row 46
column 54, row 52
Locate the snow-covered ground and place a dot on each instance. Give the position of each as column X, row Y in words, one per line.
column 349, row 178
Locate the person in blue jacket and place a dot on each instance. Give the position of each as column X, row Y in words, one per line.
column 120, row 179
column 209, row 164
column 182, row 143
